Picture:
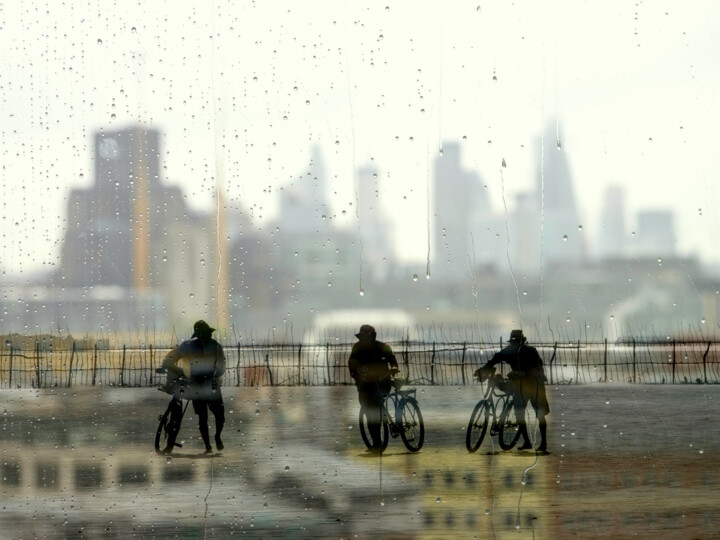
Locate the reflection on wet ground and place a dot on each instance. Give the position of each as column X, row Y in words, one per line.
column 626, row 461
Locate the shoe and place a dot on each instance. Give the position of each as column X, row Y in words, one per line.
column 526, row 446
column 218, row 443
column 542, row 450
column 208, row 450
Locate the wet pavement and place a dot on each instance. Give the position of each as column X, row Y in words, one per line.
column 630, row 460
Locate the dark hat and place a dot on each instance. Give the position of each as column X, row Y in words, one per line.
column 366, row 330
column 202, row 328
column 516, row 336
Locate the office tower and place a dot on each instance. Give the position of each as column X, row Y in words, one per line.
column 561, row 236
column 612, row 237
column 460, row 202
column 655, row 235
column 376, row 231
column 116, row 231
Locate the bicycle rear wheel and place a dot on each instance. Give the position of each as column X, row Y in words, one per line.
column 410, row 421
column 365, row 432
column 508, row 426
column 477, row 428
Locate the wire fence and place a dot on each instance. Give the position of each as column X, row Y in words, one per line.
column 423, row 363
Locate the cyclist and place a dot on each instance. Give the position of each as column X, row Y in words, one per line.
column 368, row 364
column 527, row 380
column 206, row 362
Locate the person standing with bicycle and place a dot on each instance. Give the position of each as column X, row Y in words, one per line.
column 372, row 364
column 527, row 377
column 206, row 361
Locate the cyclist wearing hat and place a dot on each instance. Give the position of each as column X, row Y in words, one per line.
column 528, row 381
column 372, row 363
column 205, row 360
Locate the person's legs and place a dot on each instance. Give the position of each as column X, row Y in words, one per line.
column 201, row 409
column 542, row 408
column 217, row 407
column 368, row 395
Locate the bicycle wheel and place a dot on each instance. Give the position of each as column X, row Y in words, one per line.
column 478, row 426
column 410, row 421
column 161, row 436
column 508, row 426
column 365, row 432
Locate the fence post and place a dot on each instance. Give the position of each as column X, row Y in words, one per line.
column 10, row 366
column 327, row 362
column 267, row 365
column 94, row 365
column 605, row 360
column 432, row 365
column 237, row 365
column 299, row 379
column 673, row 363
column 705, row 361
column 37, row 362
column 152, row 370
column 462, row 363
column 634, row 359
column 72, row 354
column 552, row 360
column 577, row 364
column 405, row 356
column 122, row 368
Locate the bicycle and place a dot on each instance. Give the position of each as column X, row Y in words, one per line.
column 164, row 432
column 407, row 421
column 497, row 402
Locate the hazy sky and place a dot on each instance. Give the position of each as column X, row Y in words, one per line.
column 248, row 88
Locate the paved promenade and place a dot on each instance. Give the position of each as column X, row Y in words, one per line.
column 633, row 460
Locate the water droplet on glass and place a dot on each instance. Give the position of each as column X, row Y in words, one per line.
column 564, row 237
column 362, row 292
column 415, row 277
column 287, row 468
column 579, row 227
column 192, row 295
column 503, row 163
column 607, row 402
column 702, row 320
column 436, row 500
column 99, row 41
column 524, row 293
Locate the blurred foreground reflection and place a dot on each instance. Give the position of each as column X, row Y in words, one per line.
column 626, row 460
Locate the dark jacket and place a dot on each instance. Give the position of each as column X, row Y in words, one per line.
column 369, row 361
column 524, row 360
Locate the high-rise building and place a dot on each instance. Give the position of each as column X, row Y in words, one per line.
column 655, row 235
column 612, row 236
column 459, row 202
column 562, row 236
column 376, row 231
column 116, row 231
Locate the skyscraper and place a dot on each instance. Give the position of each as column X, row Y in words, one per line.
column 612, row 236
column 562, row 237
column 459, row 202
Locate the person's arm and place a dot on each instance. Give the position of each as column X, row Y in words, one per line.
column 353, row 364
column 389, row 356
column 219, row 362
column 171, row 359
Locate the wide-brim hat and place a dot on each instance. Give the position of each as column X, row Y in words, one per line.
column 366, row 330
column 517, row 336
column 201, row 328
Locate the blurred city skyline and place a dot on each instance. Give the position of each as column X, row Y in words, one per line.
column 244, row 91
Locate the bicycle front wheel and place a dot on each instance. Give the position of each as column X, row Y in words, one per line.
column 161, row 436
column 477, row 428
column 365, row 432
column 410, row 421
column 508, row 426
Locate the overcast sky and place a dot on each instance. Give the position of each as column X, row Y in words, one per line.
column 248, row 88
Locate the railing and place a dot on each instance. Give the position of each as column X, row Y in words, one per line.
column 425, row 363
